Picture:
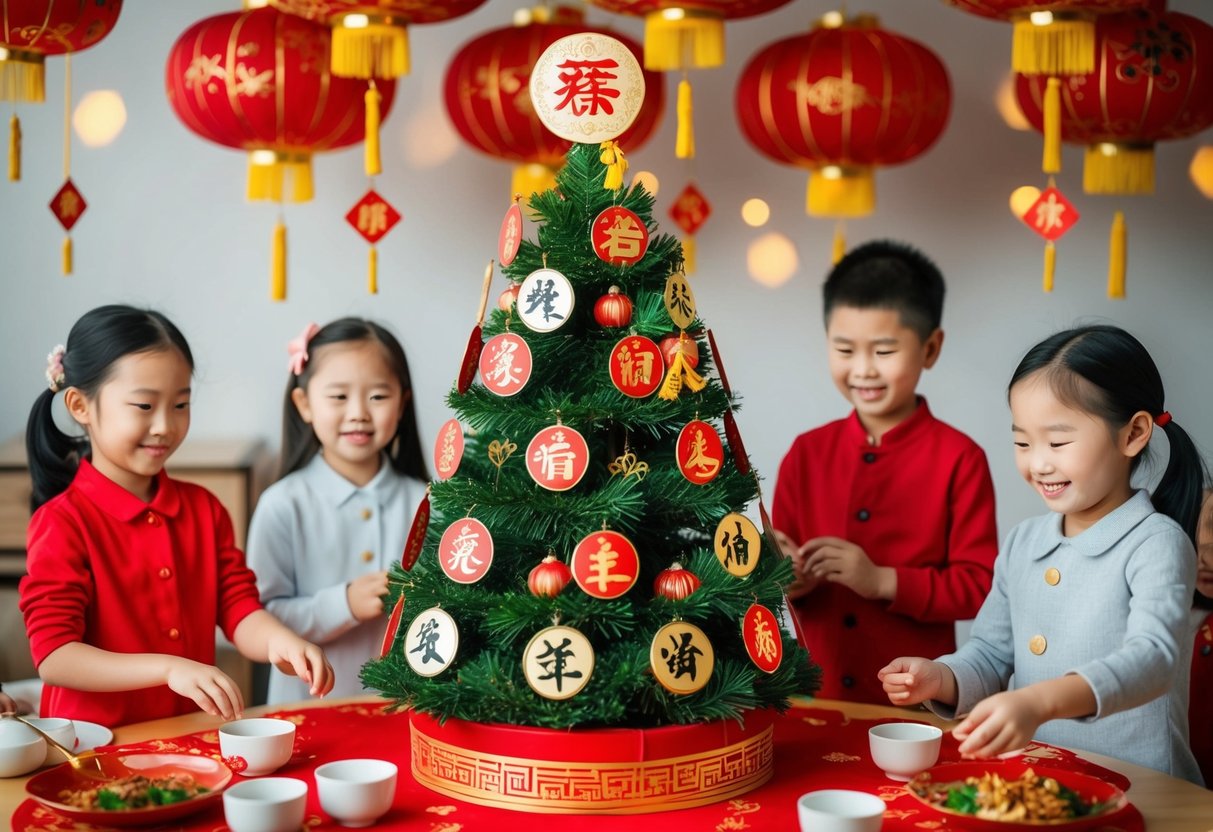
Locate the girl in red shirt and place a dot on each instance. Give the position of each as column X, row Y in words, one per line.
column 130, row 571
column 1200, row 712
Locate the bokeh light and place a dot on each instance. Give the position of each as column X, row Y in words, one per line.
column 648, row 179
column 772, row 259
column 99, row 117
column 755, row 212
column 1008, row 105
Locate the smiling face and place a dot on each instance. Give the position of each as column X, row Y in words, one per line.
column 138, row 417
column 876, row 361
column 1075, row 461
column 354, row 403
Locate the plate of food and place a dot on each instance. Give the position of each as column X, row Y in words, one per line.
column 1014, row 794
column 130, row 789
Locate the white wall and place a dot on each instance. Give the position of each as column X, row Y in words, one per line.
column 167, row 226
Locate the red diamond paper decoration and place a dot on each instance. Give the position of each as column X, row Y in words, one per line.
column 68, row 205
column 372, row 217
column 691, row 209
column 1052, row 215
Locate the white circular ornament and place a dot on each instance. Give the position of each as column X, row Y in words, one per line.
column 545, row 300
column 431, row 642
column 558, row 662
column 587, row 88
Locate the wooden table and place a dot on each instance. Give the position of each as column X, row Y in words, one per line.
column 1166, row 803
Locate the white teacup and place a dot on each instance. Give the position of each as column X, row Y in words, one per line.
column 264, row 744
column 903, row 749
column 271, row 804
column 62, row 730
column 839, row 810
column 356, row 792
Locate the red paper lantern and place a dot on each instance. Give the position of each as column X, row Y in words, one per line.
column 370, row 37
column 32, row 29
column 488, row 98
column 675, row 583
column 613, row 309
column 1051, row 37
column 840, row 101
column 690, row 349
column 549, row 578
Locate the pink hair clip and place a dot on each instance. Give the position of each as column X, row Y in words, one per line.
column 55, row 375
column 297, row 347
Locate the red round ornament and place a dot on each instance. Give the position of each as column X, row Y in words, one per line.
column 635, row 366
column 675, row 583
column 700, row 452
column 549, row 578
column 614, row 309
column 619, row 236
column 448, row 449
column 557, row 458
column 510, row 238
column 690, row 350
column 508, row 298
column 760, row 632
column 605, row 564
column 505, row 364
column 465, row 552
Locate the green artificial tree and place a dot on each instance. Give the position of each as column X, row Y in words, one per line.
column 669, row 519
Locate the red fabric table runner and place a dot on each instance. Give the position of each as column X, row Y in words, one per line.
column 815, row 748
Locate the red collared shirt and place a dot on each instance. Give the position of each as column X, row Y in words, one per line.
column 1200, row 702
column 922, row 501
column 114, row 572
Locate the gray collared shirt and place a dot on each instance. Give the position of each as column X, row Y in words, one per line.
column 1111, row 605
column 312, row 533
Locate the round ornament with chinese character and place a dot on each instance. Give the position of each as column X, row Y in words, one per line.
column 619, row 236
column 614, row 309
column 682, row 657
column 605, row 564
column 700, row 452
column 635, row 366
column 738, row 544
column 587, row 88
column 545, row 300
column 557, row 458
column 448, row 449
column 510, row 238
column 393, row 624
column 679, row 300
column 505, row 364
column 431, row 642
column 760, row 632
column 558, row 662
column 465, row 552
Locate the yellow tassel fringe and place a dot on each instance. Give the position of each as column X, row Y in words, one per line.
column 23, row 77
column 1118, row 253
column 684, row 142
column 286, row 178
column 67, row 255
column 1118, row 169
column 679, row 38
column 372, row 272
column 617, row 165
column 841, row 192
column 371, row 142
column 679, row 375
column 840, row 243
column 378, row 50
column 1063, row 47
column 278, row 263
column 688, row 255
column 1050, row 266
column 14, row 149
column 1051, row 163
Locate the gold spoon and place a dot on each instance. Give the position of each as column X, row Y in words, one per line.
column 78, row 761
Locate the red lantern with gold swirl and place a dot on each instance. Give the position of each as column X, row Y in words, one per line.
column 840, row 101
column 32, row 29
column 1051, row 37
column 488, row 98
column 370, row 37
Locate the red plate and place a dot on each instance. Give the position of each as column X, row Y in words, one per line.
column 1090, row 789
column 207, row 771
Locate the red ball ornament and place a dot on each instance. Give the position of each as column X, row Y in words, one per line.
column 613, row 309
column 675, row 583
column 549, row 578
column 690, row 350
column 507, row 299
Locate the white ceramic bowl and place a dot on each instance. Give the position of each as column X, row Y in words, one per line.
column 63, row 730
column 903, row 749
column 271, row 804
column 264, row 744
column 20, row 752
column 839, row 810
column 356, row 792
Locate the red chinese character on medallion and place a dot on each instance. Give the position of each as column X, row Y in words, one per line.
column 1052, row 215
column 510, row 238
column 605, row 564
column 691, row 209
column 393, row 624
column 700, row 452
column 505, row 364
column 760, row 632
column 372, row 217
column 636, row 366
column 466, row 551
column 67, row 205
column 620, row 236
column 448, row 449
column 557, row 458
column 587, row 88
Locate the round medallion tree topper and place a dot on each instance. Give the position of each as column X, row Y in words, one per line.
column 587, row 88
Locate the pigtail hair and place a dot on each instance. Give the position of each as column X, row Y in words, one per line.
column 1180, row 492
column 53, row 455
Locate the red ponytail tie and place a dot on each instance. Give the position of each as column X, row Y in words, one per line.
column 1163, row 419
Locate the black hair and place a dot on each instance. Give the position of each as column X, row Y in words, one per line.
column 98, row 340
column 885, row 274
column 1105, row 371
column 299, row 442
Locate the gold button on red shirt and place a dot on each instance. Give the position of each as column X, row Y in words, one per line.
column 174, row 633
column 152, row 519
column 165, row 573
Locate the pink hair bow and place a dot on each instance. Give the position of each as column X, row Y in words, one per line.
column 297, row 347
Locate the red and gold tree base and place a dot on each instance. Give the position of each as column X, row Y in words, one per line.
column 604, row 771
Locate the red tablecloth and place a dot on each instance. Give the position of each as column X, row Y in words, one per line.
column 815, row 748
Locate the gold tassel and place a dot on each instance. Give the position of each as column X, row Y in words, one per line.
column 278, row 263
column 680, row 374
column 67, row 256
column 684, row 142
column 371, row 143
column 1050, row 266
column 840, row 242
column 270, row 173
column 14, row 149
column 1062, row 47
column 688, row 255
column 1109, row 168
column 23, row 76
column 1051, row 163
column 372, row 272
column 612, row 156
column 681, row 38
column 841, row 192
column 1118, row 252
column 377, row 50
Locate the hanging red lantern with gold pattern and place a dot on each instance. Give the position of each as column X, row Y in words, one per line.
column 1153, row 80
column 259, row 80
column 488, row 96
column 842, row 100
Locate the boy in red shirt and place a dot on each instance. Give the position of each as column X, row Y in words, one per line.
column 888, row 514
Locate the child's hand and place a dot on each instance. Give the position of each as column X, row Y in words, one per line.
column 7, row 703
column 365, row 594
column 842, row 562
column 1000, row 723
column 801, row 586
column 297, row 657
column 908, row 681
column 210, row 688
